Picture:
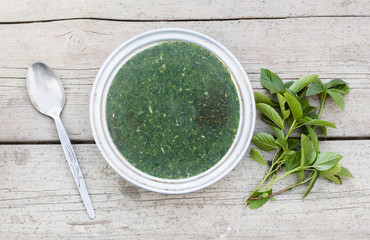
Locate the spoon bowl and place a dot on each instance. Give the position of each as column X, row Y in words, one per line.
column 45, row 89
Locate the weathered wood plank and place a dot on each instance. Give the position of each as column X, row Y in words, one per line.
column 331, row 47
column 13, row 11
column 38, row 199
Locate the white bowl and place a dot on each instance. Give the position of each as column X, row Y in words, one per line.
column 109, row 150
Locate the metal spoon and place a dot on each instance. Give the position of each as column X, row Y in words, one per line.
column 47, row 95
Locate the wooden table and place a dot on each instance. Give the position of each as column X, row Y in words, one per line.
column 38, row 197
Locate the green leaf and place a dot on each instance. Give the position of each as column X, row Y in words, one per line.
column 286, row 114
column 304, row 105
column 307, row 109
column 302, row 93
column 264, row 141
column 262, row 98
column 271, row 81
column 268, row 191
column 335, row 82
column 327, row 160
column 315, row 88
column 293, row 143
column 288, row 84
column 318, row 122
column 345, row 173
column 312, row 115
column 295, row 106
column 314, row 139
column 290, row 152
column 264, row 195
column 292, row 161
column 282, row 143
column 306, row 148
column 305, row 119
column 310, row 158
column 337, row 97
column 303, row 82
column 332, row 171
column 257, row 156
column 335, row 179
column 278, row 133
column 300, row 174
column 282, row 101
column 271, row 113
column 257, row 203
column 311, row 110
column 266, row 119
column 312, row 183
column 343, row 89
column 292, row 93
column 324, row 131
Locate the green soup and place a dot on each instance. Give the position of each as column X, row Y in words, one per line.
column 173, row 110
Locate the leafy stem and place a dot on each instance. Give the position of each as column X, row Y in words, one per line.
column 283, row 176
column 283, row 190
column 298, row 156
column 268, row 173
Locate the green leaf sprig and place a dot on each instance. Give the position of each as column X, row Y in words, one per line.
column 289, row 110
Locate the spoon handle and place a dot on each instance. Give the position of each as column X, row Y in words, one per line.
column 73, row 165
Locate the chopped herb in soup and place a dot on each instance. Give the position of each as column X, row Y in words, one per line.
column 173, row 110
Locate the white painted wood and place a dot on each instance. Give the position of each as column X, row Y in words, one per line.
column 26, row 10
column 39, row 199
column 331, row 47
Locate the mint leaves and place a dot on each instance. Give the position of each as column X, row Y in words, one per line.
column 302, row 82
column 264, row 141
column 326, row 161
column 335, row 88
column 271, row 81
column 295, row 106
column 288, row 111
column 271, row 114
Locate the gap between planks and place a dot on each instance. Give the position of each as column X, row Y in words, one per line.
column 180, row 20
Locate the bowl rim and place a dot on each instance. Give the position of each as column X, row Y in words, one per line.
column 100, row 130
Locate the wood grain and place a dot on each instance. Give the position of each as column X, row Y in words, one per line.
column 39, row 200
column 331, row 47
column 18, row 11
